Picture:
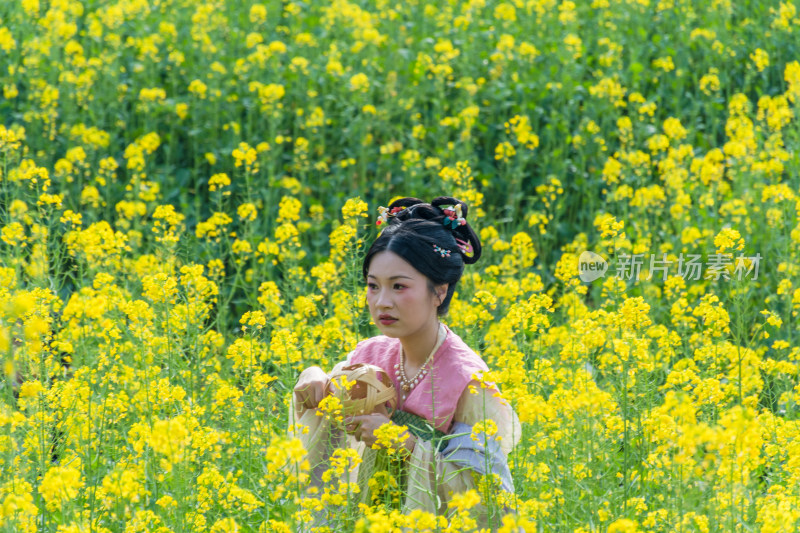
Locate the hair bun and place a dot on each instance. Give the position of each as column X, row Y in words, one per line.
column 405, row 202
column 467, row 240
column 410, row 208
column 444, row 201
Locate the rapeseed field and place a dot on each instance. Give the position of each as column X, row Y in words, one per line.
column 187, row 188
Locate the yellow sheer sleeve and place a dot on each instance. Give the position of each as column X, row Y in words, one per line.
column 433, row 480
column 486, row 404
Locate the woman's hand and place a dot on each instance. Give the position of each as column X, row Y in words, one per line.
column 363, row 428
column 312, row 385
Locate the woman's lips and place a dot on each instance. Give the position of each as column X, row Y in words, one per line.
column 386, row 320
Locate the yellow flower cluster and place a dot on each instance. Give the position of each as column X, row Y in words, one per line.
column 61, row 485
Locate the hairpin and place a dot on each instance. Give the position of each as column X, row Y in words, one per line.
column 385, row 213
column 452, row 216
column 441, row 251
column 383, row 217
column 465, row 247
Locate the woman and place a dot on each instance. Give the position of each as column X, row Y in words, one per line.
column 411, row 271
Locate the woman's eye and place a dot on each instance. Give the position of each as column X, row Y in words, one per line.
column 398, row 286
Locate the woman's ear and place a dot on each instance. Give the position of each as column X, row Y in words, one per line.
column 441, row 292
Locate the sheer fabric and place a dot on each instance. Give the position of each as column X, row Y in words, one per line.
column 430, row 478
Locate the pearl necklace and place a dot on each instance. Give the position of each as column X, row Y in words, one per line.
column 408, row 384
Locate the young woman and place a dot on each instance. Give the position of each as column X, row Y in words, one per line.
column 411, row 271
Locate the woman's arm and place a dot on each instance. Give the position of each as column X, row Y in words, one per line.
column 306, row 396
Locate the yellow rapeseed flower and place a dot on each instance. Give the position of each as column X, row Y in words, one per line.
column 464, row 501
column 61, row 484
column 760, row 59
column 170, row 438
column 728, row 239
column 359, row 82
column 608, row 225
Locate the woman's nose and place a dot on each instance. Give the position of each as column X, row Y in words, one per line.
column 384, row 299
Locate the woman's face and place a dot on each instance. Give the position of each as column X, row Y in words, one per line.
column 400, row 302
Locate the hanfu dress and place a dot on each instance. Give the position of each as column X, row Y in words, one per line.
column 441, row 412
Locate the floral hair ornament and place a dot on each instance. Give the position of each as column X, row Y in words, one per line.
column 452, row 216
column 441, row 251
column 385, row 213
column 465, row 247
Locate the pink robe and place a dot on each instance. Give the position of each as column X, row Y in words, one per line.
column 438, row 393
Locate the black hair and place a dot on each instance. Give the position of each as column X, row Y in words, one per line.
column 415, row 229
